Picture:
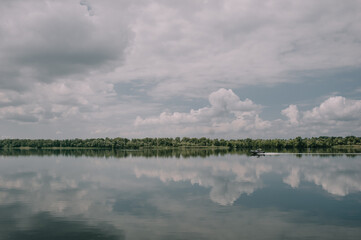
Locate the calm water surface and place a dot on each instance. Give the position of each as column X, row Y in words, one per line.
column 136, row 195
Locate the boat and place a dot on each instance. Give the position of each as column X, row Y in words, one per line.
column 257, row 152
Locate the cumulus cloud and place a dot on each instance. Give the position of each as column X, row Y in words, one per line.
column 229, row 116
column 226, row 111
column 335, row 109
column 292, row 113
column 223, row 102
column 336, row 115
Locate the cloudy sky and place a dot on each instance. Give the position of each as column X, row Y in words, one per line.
column 167, row 68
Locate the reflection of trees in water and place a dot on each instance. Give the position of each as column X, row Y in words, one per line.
column 185, row 153
column 176, row 152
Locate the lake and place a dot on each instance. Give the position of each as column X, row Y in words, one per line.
column 179, row 195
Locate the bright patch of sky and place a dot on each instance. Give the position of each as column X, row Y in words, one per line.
column 217, row 68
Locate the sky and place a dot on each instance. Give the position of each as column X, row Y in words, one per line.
column 167, row 68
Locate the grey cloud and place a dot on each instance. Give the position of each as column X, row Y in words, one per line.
column 234, row 43
column 88, row 6
column 10, row 98
column 45, row 41
column 54, row 58
column 10, row 79
column 22, row 118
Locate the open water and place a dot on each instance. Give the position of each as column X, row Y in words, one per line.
column 146, row 195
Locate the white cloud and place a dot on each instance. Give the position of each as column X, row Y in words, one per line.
column 292, row 113
column 223, row 103
column 229, row 116
column 335, row 109
column 227, row 113
column 226, row 100
column 335, row 116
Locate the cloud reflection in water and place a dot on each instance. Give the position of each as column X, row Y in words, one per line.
column 230, row 177
column 171, row 195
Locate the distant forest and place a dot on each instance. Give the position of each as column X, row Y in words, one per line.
column 185, row 142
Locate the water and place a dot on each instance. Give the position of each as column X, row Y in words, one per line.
column 175, row 195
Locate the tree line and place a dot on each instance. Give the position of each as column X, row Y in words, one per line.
column 185, row 142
